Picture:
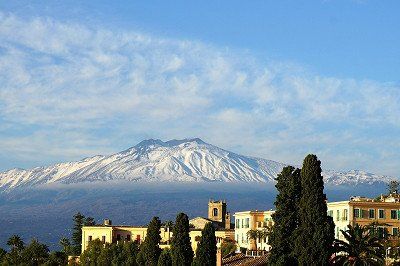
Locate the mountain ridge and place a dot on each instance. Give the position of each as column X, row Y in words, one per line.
column 153, row 160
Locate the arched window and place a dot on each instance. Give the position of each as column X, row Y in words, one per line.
column 215, row 212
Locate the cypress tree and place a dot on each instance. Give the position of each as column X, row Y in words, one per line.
column 206, row 253
column 165, row 258
column 285, row 217
column 181, row 249
column 79, row 221
column 315, row 233
column 150, row 250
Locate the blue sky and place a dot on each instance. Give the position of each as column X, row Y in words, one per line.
column 276, row 79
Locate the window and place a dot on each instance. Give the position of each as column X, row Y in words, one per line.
column 215, row 212
column 138, row 238
column 395, row 231
column 337, row 215
column 337, row 232
column 237, row 238
column 90, row 238
column 128, row 237
column 371, row 214
column 393, row 214
column 247, row 222
column 103, row 239
column 345, row 215
column 356, row 213
column 330, row 213
column 118, row 237
column 381, row 214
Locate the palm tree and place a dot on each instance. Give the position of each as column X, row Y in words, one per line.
column 169, row 226
column 360, row 248
column 265, row 233
column 252, row 235
column 15, row 242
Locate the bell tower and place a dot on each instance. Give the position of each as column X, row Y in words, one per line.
column 217, row 211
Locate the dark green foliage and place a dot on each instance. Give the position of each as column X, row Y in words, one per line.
column 56, row 258
column 110, row 254
column 130, row 251
column 65, row 246
column 165, row 258
column 285, row 217
column 228, row 246
column 3, row 254
column 35, row 253
column 92, row 253
column 89, row 221
column 181, row 249
column 124, row 253
column 393, row 186
column 14, row 257
column 15, row 242
column 150, row 250
column 79, row 221
column 360, row 248
column 315, row 233
column 206, row 253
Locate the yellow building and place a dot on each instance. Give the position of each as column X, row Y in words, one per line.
column 252, row 220
column 108, row 233
column 363, row 211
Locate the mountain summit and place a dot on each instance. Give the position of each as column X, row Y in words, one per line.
column 152, row 160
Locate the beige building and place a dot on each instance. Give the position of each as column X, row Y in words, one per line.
column 385, row 212
column 109, row 233
column 252, row 220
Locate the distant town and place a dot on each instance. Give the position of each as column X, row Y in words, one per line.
column 360, row 229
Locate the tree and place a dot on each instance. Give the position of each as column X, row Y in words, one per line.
column 15, row 242
column 79, row 221
column 56, row 258
column 17, row 246
column 169, row 225
column 228, row 246
column 315, row 233
column 393, row 186
column 360, row 248
column 90, row 256
column 206, row 253
column 252, row 235
column 130, row 251
column 181, row 249
column 3, row 253
column 65, row 245
column 89, row 221
column 150, row 250
column 165, row 258
column 35, row 253
column 285, row 218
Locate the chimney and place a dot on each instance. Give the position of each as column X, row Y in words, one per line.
column 107, row 222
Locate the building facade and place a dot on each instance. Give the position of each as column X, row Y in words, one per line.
column 384, row 212
column 108, row 233
column 252, row 220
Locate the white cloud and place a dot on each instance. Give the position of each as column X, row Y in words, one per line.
column 94, row 90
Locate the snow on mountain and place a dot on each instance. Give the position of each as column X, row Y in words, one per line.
column 188, row 160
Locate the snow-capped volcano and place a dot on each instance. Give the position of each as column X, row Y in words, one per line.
column 188, row 160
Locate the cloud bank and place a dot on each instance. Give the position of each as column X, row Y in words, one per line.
column 71, row 90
